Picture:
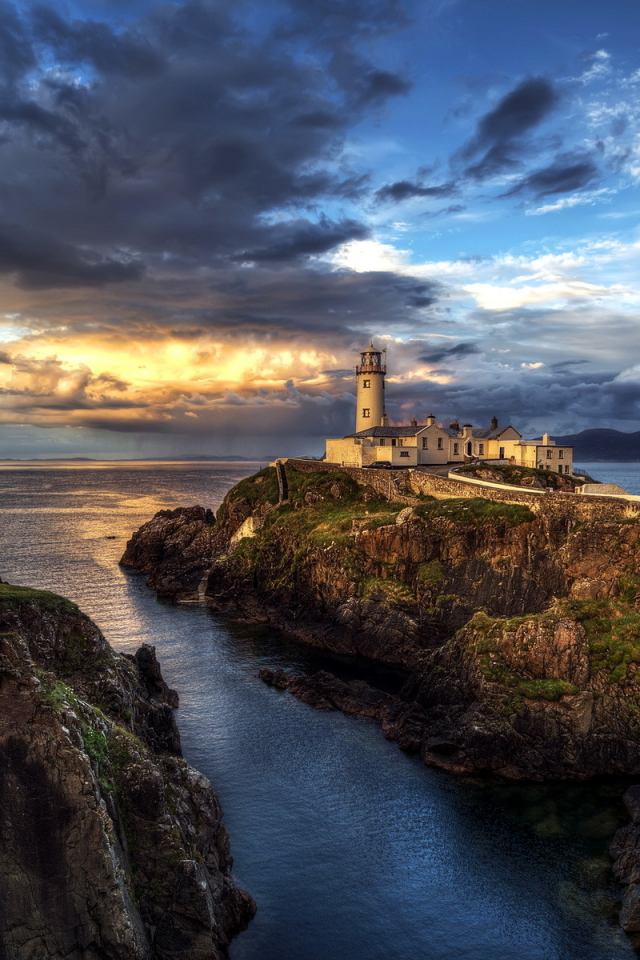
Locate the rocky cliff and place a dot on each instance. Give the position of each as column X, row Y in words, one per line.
column 519, row 630
column 112, row 846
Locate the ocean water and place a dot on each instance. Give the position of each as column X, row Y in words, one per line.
column 352, row 850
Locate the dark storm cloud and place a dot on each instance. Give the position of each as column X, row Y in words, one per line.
column 561, row 404
column 5, row 358
column 95, row 43
column 405, row 190
column 300, row 238
column 376, row 86
column 501, row 134
column 450, row 353
column 37, row 261
column 176, row 138
column 569, row 172
column 567, row 363
column 16, row 53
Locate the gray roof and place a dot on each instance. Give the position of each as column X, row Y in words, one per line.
column 487, row 434
column 492, row 434
column 388, row 432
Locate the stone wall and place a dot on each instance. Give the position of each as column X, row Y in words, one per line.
column 398, row 485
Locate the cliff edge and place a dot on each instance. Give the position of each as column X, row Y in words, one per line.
column 112, row 846
column 518, row 626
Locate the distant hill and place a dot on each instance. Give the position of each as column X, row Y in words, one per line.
column 602, row 444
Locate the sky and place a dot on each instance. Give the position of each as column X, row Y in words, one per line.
column 207, row 209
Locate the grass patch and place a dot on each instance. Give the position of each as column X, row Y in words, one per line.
column 12, row 596
column 397, row 592
column 551, row 689
column 613, row 632
column 430, row 574
column 54, row 693
column 476, row 510
column 262, row 487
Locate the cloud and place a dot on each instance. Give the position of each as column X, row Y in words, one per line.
column 38, row 261
column 301, row 238
column 499, row 136
column 450, row 353
column 566, row 203
column 567, row 172
column 405, row 190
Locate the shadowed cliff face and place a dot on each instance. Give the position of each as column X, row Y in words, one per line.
column 111, row 844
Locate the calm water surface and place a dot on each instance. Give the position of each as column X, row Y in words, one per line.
column 351, row 849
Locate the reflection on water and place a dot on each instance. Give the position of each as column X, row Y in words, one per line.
column 351, row 848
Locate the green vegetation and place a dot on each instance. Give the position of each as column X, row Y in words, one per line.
column 317, row 514
column 477, row 510
column 551, row 689
column 12, row 596
column 55, row 693
column 613, row 632
column 262, row 487
column 396, row 592
column 95, row 744
column 518, row 686
column 430, row 574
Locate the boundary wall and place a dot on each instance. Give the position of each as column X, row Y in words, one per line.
column 398, row 485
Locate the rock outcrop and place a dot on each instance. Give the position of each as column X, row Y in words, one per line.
column 111, row 845
column 520, row 630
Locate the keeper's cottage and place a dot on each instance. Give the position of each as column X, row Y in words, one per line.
column 374, row 441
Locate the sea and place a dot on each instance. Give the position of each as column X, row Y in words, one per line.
column 352, row 850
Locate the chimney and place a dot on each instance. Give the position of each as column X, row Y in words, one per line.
column 454, row 425
column 431, row 420
column 467, row 430
column 414, row 422
column 545, row 438
column 494, row 423
column 384, row 421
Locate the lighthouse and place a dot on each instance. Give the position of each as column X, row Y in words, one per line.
column 370, row 389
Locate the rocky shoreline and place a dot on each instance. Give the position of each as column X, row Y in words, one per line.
column 112, row 845
column 519, row 628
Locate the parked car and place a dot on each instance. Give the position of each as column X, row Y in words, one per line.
column 380, row 465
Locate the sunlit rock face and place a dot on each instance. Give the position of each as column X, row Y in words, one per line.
column 518, row 630
column 112, row 845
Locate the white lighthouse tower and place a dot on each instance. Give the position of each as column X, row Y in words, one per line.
column 370, row 389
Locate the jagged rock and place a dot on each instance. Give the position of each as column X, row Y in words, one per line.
column 111, row 845
column 176, row 549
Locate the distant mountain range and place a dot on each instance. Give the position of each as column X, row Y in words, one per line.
column 602, row 444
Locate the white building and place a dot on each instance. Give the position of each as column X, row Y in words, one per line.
column 375, row 441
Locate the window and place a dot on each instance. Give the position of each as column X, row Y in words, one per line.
column 394, row 442
column 481, row 449
column 382, row 442
column 366, row 383
column 425, row 443
column 560, row 454
column 549, row 455
column 439, row 443
column 501, row 453
column 366, row 412
column 404, row 453
column 400, row 443
column 455, row 448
